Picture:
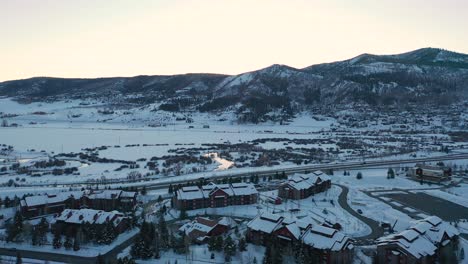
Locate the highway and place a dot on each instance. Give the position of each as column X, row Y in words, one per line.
column 164, row 183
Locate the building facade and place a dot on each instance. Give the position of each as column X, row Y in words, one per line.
column 301, row 186
column 215, row 195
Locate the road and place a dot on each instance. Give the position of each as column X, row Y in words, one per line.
column 377, row 231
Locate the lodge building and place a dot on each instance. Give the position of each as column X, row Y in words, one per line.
column 72, row 219
column 301, row 186
column 215, row 195
column 328, row 244
column 107, row 200
column 424, row 242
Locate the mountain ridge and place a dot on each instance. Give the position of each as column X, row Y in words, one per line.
column 423, row 76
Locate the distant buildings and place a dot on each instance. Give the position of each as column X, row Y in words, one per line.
column 424, row 242
column 107, row 200
column 215, row 195
column 301, row 186
column 423, row 172
column 328, row 244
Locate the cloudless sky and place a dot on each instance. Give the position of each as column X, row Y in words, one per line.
column 98, row 38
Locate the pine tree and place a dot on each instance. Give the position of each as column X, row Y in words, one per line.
column 57, row 242
column 163, row 233
column 42, row 229
column 68, row 243
column 76, row 244
column 242, row 245
column 183, row 214
column 219, row 243
column 13, row 230
column 229, row 248
column 267, row 257
column 359, row 176
column 212, row 243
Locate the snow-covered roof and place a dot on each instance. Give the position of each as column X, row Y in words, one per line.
column 325, row 238
column 89, row 215
column 266, row 222
column 202, row 226
column 306, row 181
column 105, row 194
column 422, row 238
column 235, row 189
column 60, row 197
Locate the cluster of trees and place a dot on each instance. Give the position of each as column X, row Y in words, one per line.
column 39, row 233
column 228, row 246
column 49, row 163
column 7, row 202
column 151, row 240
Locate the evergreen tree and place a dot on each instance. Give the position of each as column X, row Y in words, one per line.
column 229, row 248
column 183, row 214
column 219, row 243
column 390, row 174
column 242, row 245
column 68, row 243
column 15, row 229
column 267, row 258
column 212, row 243
column 57, row 242
column 163, row 232
column 143, row 191
column 42, row 229
column 76, row 244
column 35, row 236
column 359, row 176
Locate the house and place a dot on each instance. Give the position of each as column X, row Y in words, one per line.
column 215, row 195
column 301, row 186
column 424, row 242
column 200, row 229
column 328, row 244
column 107, row 200
column 423, row 172
column 72, row 219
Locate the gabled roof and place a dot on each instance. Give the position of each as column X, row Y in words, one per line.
column 306, row 181
column 422, row 238
column 325, row 238
column 59, row 197
column 91, row 216
column 235, row 189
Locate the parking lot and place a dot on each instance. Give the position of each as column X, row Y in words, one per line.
column 431, row 205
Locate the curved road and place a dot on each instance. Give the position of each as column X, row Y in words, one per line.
column 377, row 231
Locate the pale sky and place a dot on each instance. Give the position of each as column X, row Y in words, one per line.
column 99, row 38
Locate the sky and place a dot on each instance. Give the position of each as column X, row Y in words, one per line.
column 101, row 38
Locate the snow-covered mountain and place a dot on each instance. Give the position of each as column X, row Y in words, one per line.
column 424, row 76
